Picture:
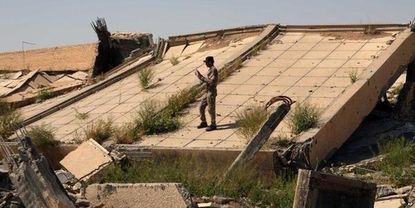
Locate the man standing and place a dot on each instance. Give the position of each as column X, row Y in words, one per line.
column 209, row 98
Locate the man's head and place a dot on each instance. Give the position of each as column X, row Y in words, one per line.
column 209, row 61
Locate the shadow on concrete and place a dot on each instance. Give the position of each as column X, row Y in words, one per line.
column 226, row 126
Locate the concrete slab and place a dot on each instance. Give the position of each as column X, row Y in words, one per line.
column 202, row 143
column 174, row 51
column 174, row 142
column 305, row 66
column 157, row 195
column 247, row 89
column 392, row 203
column 344, row 115
column 285, row 80
column 192, row 48
column 122, row 99
column 86, row 160
column 231, row 144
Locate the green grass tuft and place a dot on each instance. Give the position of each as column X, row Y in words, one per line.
column 202, row 178
column 180, row 100
column 304, row 116
column 250, row 120
column 174, row 60
column 152, row 120
column 99, row 130
column 126, row 134
column 399, row 162
column 44, row 94
column 81, row 115
column 146, row 76
column 353, row 76
column 281, row 142
column 42, row 136
column 9, row 119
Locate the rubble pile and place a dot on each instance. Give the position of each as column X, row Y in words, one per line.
column 34, row 180
column 8, row 196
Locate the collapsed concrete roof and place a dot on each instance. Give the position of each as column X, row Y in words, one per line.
column 62, row 69
column 121, row 99
column 20, row 90
column 128, row 35
column 306, row 63
column 303, row 63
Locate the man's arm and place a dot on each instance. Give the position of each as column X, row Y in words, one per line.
column 214, row 78
column 200, row 76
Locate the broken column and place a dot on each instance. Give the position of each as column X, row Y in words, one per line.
column 34, row 180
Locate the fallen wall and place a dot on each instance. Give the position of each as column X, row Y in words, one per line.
column 34, row 180
column 350, row 109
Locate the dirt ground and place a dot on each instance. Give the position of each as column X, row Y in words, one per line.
column 63, row 58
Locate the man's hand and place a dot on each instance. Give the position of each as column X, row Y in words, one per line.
column 199, row 75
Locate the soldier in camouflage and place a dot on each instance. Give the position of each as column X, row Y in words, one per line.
column 209, row 98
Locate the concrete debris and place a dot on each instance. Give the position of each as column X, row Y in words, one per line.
column 82, row 203
column 222, row 200
column 86, row 160
column 79, row 75
column 403, row 190
column 64, row 176
column 138, row 195
column 322, row 190
column 368, row 163
column 114, row 48
column 216, row 201
column 8, row 197
column 34, row 180
column 384, row 190
column 207, row 204
column 389, row 197
column 127, row 35
column 394, row 203
column 23, row 90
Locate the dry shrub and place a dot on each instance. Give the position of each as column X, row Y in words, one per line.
column 99, row 130
column 126, row 134
column 250, row 120
column 42, row 136
column 9, row 119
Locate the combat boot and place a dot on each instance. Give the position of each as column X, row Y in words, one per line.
column 211, row 128
column 203, row 124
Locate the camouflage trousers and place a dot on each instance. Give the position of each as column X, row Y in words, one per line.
column 208, row 100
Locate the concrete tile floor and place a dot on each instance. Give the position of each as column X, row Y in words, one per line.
column 121, row 100
column 305, row 66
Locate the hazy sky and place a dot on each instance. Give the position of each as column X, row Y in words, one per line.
column 59, row 22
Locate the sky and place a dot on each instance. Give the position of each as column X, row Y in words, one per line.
column 50, row 23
